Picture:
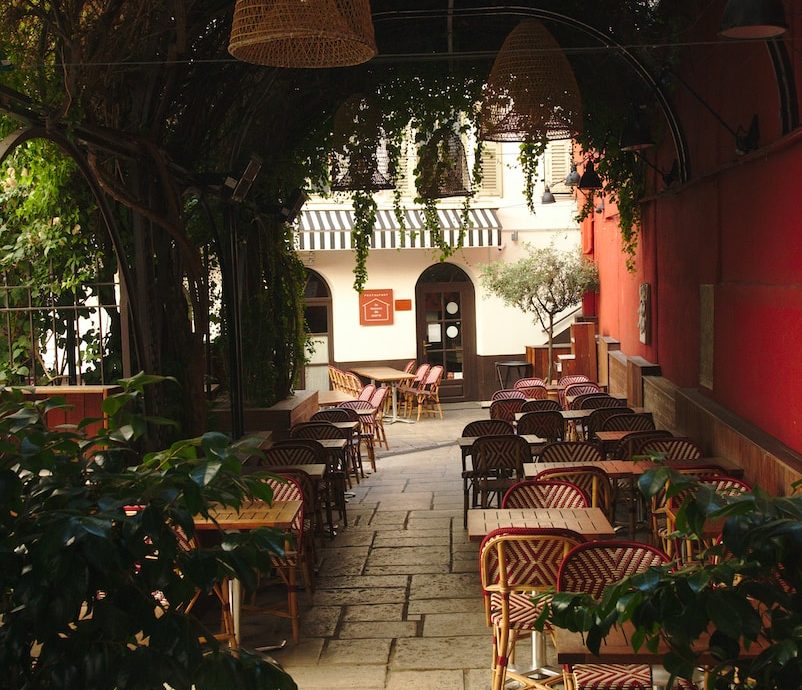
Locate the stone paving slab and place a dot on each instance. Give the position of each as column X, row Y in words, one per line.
column 374, row 612
column 432, row 653
column 409, row 555
column 427, row 606
column 425, row 680
column 363, row 581
column 351, row 651
column 448, row 624
column 407, row 538
column 378, row 629
column 444, row 586
column 432, row 568
column 348, row 597
column 356, row 677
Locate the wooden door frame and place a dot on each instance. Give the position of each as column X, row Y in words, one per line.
column 470, row 360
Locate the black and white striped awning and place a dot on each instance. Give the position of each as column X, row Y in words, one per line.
column 322, row 230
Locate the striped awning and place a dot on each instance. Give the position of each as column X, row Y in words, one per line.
column 323, row 230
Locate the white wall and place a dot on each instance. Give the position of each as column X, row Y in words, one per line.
column 500, row 330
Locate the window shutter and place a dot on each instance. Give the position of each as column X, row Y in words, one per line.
column 491, row 170
column 558, row 165
column 406, row 169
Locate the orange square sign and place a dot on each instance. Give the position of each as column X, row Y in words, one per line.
column 376, row 308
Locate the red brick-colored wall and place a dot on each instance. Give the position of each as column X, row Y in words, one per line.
column 738, row 226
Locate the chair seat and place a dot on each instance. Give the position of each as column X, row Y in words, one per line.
column 523, row 612
column 613, row 677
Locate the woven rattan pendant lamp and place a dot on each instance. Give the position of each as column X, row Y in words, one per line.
column 359, row 160
column 531, row 94
column 302, row 33
column 443, row 167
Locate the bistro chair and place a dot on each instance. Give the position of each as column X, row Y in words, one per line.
column 507, row 394
column 545, row 405
column 326, row 430
column 343, row 414
column 673, row 448
column 409, row 366
column 528, row 382
column 368, row 426
column 631, row 445
column 380, row 400
column 577, row 389
column 548, row 425
column 535, row 392
column 591, row 479
column 407, row 392
column 589, row 568
column 308, row 451
column 580, row 401
column 628, row 421
column 295, row 558
column 498, row 463
column 514, row 563
column 506, row 409
column 594, row 421
column 428, row 395
column 536, row 493
column 367, row 392
column 479, row 427
column 687, row 550
column 571, row 451
column 566, row 381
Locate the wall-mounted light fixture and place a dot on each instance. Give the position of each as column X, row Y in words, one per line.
column 746, row 140
column 572, row 178
column 548, row 197
column 636, row 138
column 756, row 19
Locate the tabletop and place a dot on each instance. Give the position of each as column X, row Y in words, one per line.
column 590, row 522
column 331, row 398
column 316, row 470
column 611, row 436
column 573, row 415
column 531, row 439
column 616, row 469
column 616, row 648
column 383, row 374
column 253, row 514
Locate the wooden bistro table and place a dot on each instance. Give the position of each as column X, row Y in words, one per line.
column 392, row 377
column 616, row 648
column 333, row 398
column 281, row 515
column 590, row 522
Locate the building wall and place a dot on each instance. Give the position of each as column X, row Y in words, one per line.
column 500, row 330
column 736, row 226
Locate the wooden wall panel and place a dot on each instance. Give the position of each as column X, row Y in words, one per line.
column 583, row 342
column 538, row 357
column 767, row 462
column 660, row 396
column 637, row 368
column 617, row 368
column 604, row 345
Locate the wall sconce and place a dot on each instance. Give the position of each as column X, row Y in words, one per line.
column 636, row 138
column 548, row 197
column 745, row 140
column 572, row 178
column 756, row 19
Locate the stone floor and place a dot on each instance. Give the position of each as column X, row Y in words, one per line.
column 397, row 602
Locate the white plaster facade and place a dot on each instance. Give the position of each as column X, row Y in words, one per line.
column 500, row 330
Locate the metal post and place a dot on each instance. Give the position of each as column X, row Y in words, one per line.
column 230, row 274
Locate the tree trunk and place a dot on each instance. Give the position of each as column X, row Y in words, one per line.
column 550, row 334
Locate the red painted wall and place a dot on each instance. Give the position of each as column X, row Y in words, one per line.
column 736, row 225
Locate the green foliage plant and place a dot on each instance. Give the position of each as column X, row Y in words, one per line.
column 544, row 283
column 529, row 154
column 80, row 569
column 743, row 591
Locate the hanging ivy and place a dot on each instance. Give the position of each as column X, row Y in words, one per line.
column 362, row 234
column 528, row 156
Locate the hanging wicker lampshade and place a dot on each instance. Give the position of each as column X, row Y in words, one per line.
column 302, row 33
column 531, row 93
column 443, row 167
column 359, row 160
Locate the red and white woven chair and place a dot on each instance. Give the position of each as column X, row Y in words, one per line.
column 528, row 382
column 507, row 394
column 513, row 563
column 408, row 391
column 589, row 568
column 549, row 425
column 546, row 405
column 673, row 448
column 428, row 395
column 537, row 493
column 592, row 480
column 506, row 409
column 571, row 451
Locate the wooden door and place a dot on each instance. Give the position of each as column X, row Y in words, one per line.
column 447, row 334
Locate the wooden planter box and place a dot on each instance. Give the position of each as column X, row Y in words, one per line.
column 278, row 418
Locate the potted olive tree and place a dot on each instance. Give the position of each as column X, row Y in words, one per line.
column 544, row 283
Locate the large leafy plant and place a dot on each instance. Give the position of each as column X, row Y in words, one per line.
column 742, row 591
column 80, row 570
